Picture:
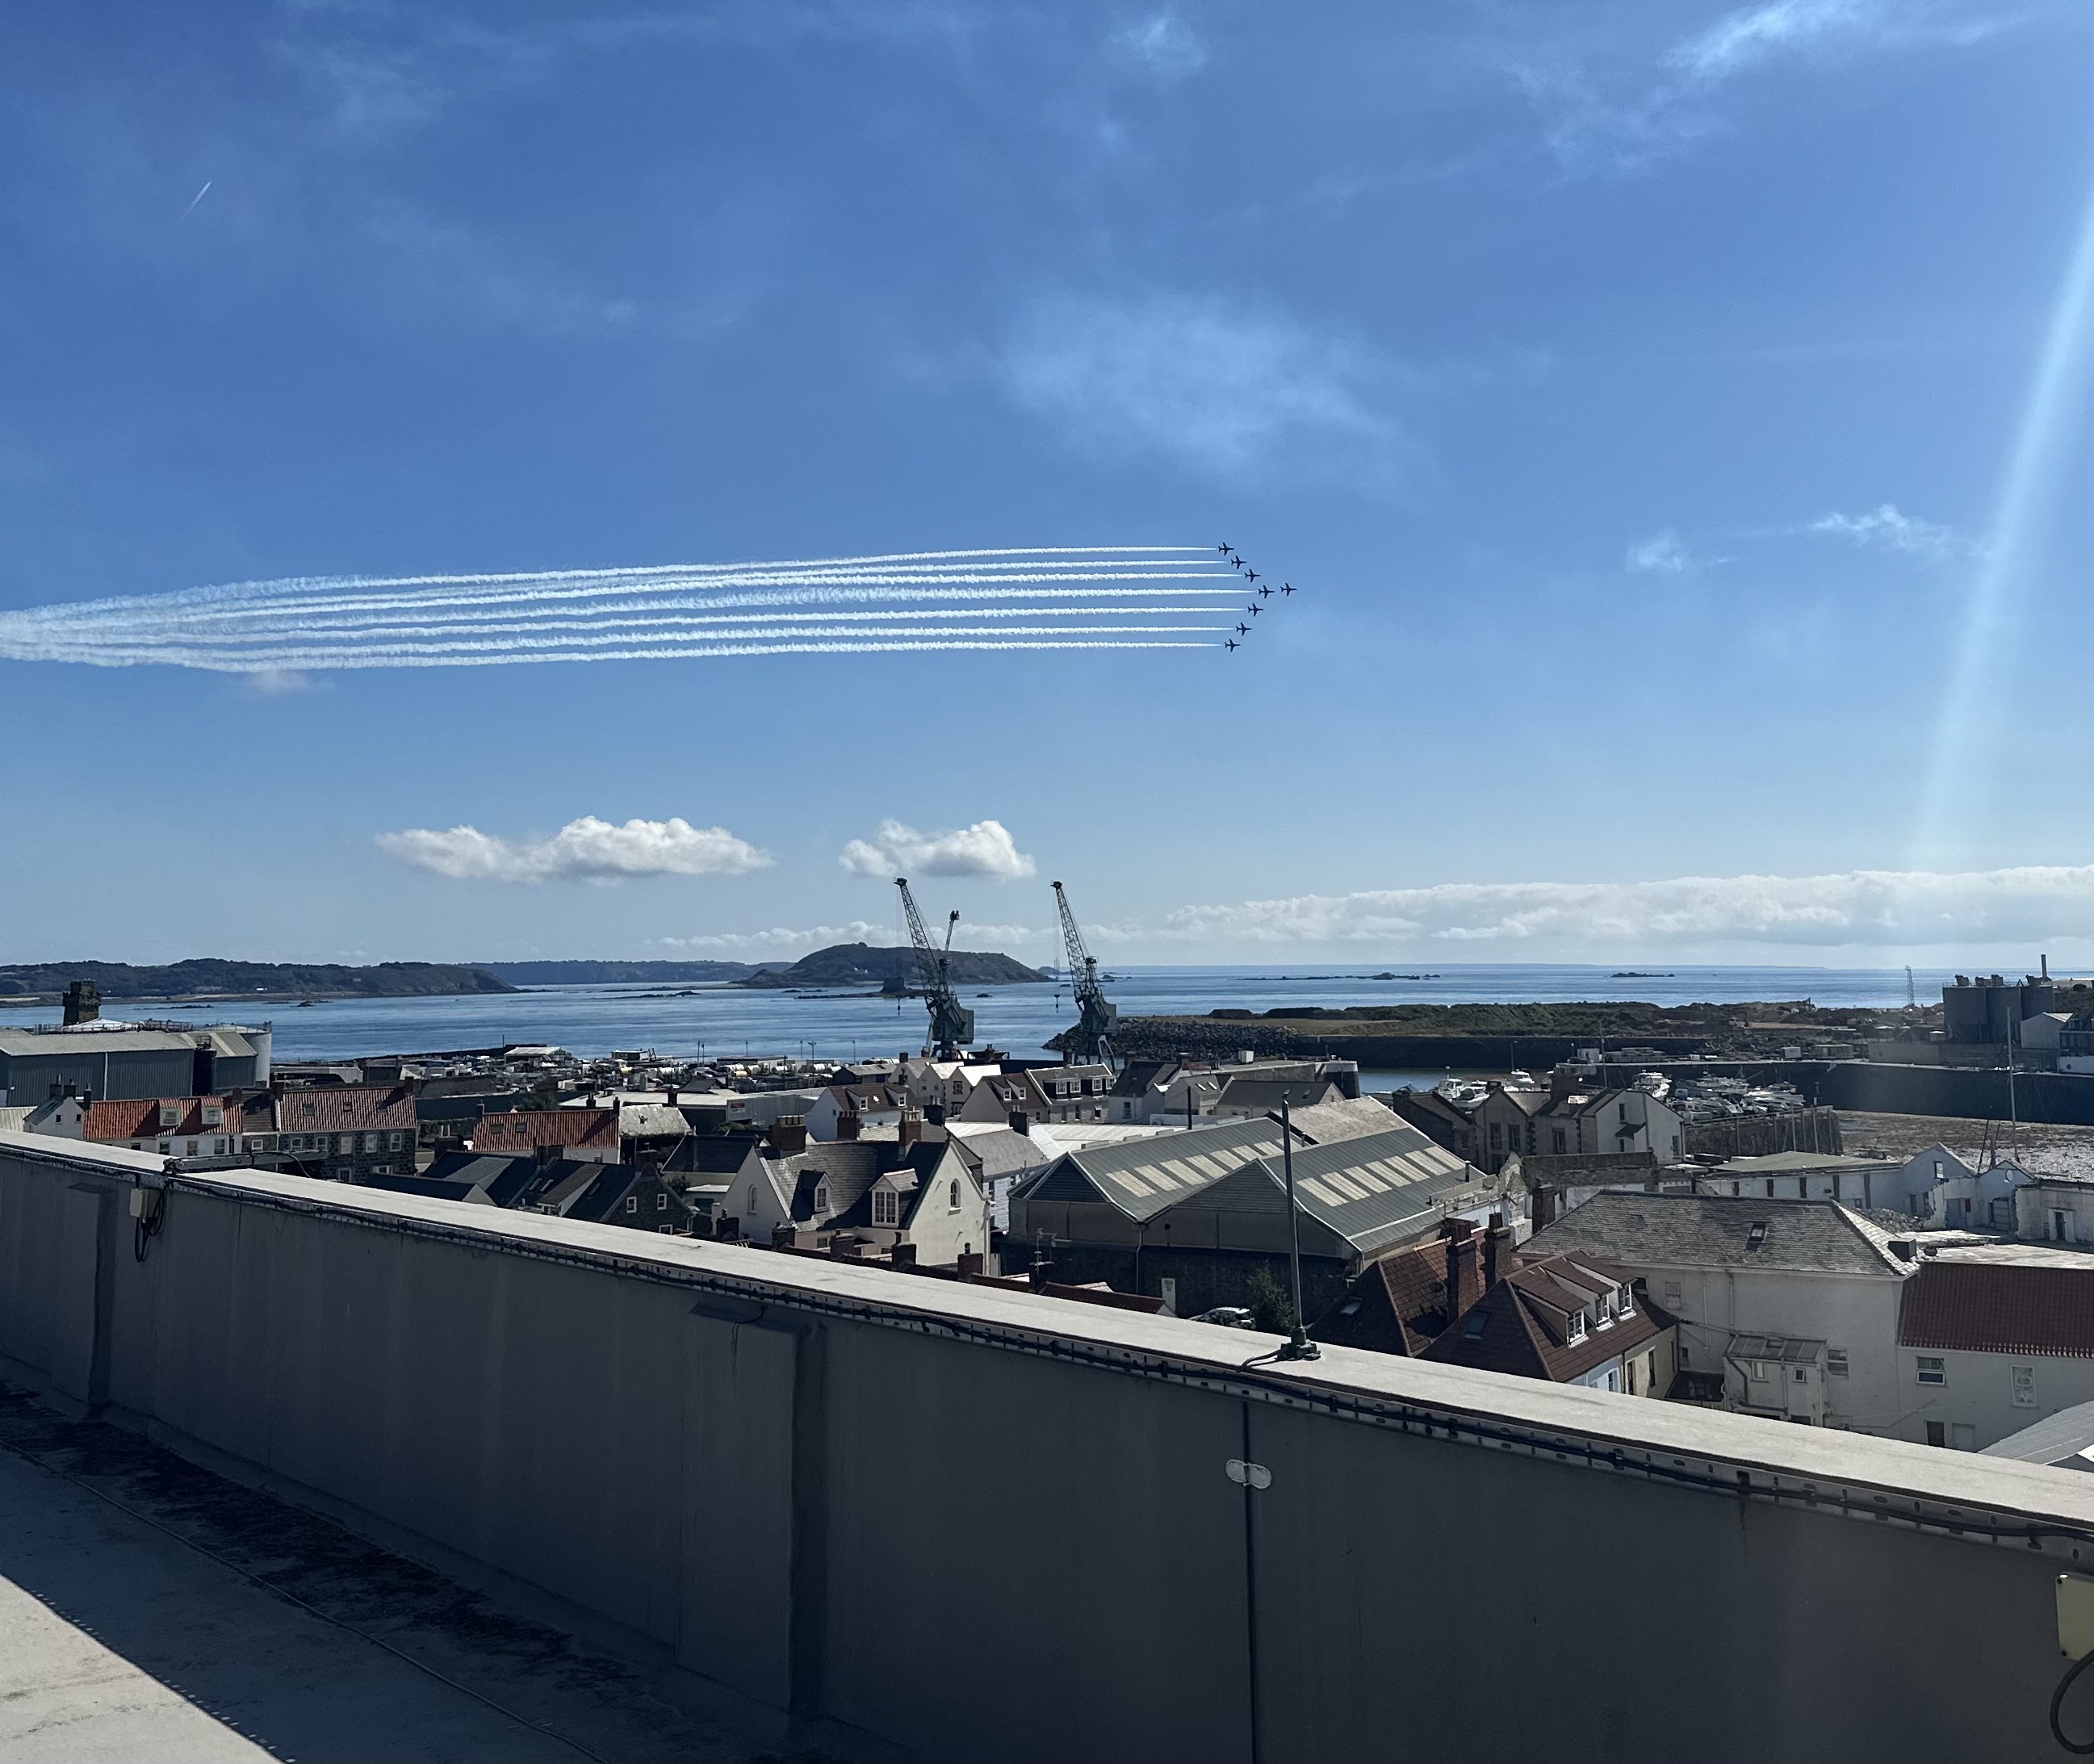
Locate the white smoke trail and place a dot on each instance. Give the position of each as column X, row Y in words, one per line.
column 894, row 601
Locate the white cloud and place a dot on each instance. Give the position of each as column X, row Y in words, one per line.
column 1891, row 531
column 1743, row 40
column 985, row 849
column 1192, row 378
column 1665, row 554
column 1162, row 43
column 587, row 849
column 779, row 938
column 1880, row 909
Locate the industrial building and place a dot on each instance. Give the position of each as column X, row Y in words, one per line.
column 123, row 1061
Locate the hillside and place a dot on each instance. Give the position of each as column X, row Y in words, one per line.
column 210, row 977
column 621, row 973
column 860, row 964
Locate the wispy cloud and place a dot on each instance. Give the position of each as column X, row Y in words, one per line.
column 587, row 849
column 1665, row 554
column 1161, row 44
column 1598, row 120
column 1886, row 529
column 985, row 849
column 1883, row 908
column 1215, row 388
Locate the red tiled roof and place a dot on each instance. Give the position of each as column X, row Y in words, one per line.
column 345, row 1108
column 139, row 1118
column 519, row 1129
column 1999, row 1308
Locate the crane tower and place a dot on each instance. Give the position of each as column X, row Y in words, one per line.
column 1091, row 1040
column 952, row 1023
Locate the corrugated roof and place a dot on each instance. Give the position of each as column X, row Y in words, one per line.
column 1999, row 1308
column 1134, row 1174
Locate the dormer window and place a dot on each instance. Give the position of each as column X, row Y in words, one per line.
column 821, row 1199
column 886, row 1207
column 1626, row 1298
column 1577, row 1331
column 171, row 1116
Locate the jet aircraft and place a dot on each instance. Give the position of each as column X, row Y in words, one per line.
column 1233, row 644
column 1286, row 588
column 1242, row 630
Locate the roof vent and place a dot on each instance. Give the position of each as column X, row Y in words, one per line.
column 1756, row 1238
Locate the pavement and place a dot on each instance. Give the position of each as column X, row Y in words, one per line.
column 151, row 1610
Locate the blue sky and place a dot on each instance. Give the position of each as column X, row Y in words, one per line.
column 1671, row 414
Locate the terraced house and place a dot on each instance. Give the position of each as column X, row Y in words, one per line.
column 347, row 1132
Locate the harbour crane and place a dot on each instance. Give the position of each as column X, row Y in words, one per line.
column 952, row 1023
column 1092, row 1038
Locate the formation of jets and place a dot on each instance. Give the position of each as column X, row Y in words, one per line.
column 1257, row 580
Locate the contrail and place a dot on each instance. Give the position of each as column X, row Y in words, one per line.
column 1081, row 597
column 197, row 198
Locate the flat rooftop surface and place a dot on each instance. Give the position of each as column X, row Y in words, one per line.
column 149, row 1609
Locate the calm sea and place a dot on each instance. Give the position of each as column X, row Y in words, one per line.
column 722, row 1020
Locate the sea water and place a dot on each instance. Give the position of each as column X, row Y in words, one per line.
column 720, row 1021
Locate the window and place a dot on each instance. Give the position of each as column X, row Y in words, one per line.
column 821, row 1199
column 1936, row 1434
column 886, row 1207
column 214, row 1115
column 1558, row 1137
column 2024, row 1386
column 1627, row 1300
column 192, row 1151
column 1756, row 1371
column 1478, row 1318
column 166, row 1147
column 348, row 1145
column 662, row 1203
column 752, row 1197
column 1577, row 1326
column 633, row 1203
column 1756, row 1237
column 1497, row 1137
column 218, row 1147
column 392, row 1142
column 171, row 1116
column 1835, row 1363
column 1932, row 1371
column 952, row 1199
column 1672, row 1295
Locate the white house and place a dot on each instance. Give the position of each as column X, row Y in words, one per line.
column 2054, row 1210
column 873, row 1105
column 1742, row 1273
column 1992, row 1338
column 885, row 1194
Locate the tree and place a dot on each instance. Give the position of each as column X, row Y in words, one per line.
column 1268, row 1304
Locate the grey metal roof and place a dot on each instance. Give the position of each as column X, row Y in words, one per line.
column 18, row 1043
column 1142, row 1177
column 1708, row 1230
column 2058, row 1439
column 1370, row 1189
column 1376, row 1189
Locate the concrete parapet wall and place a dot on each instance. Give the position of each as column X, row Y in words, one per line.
column 986, row 1524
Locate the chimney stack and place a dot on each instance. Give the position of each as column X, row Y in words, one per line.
column 1463, row 1286
column 848, row 1124
column 82, row 1002
column 672, row 1096
column 1563, row 1080
column 1021, row 1122
column 789, row 1134
column 911, row 1127
column 1497, row 1252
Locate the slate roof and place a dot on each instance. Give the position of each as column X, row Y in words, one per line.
column 1709, row 1231
column 1342, row 1118
column 1138, row 1076
column 505, row 1181
column 1263, row 1094
column 849, row 1169
column 1983, row 1307
column 1521, row 1325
